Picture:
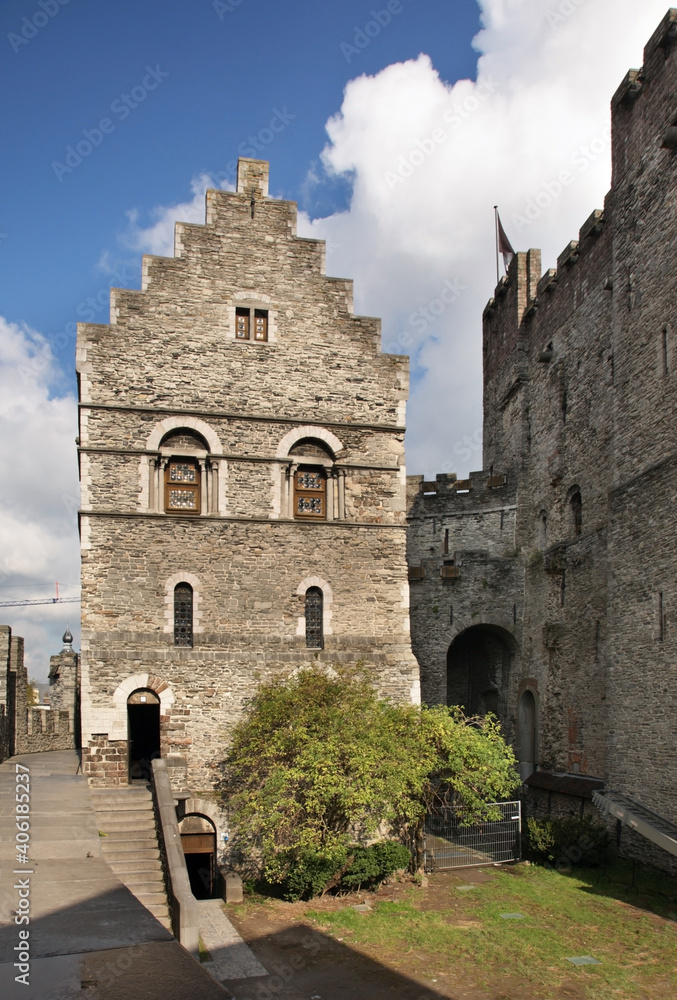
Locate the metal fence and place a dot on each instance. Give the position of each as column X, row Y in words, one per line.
column 447, row 844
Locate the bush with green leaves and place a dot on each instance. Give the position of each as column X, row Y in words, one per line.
column 567, row 841
column 319, row 761
column 371, row 865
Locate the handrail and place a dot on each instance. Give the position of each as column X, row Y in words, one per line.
column 182, row 902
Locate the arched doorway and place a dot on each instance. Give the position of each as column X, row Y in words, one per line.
column 478, row 669
column 526, row 734
column 198, row 840
column 143, row 732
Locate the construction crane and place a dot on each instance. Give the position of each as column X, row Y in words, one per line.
column 43, row 600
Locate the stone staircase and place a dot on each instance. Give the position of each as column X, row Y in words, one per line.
column 130, row 846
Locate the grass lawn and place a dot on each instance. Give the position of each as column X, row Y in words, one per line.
column 454, row 941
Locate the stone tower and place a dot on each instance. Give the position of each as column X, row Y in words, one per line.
column 243, row 488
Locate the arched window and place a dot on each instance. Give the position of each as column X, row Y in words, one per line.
column 183, row 614
column 310, row 478
column 576, row 505
column 183, row 455
column 314, row 618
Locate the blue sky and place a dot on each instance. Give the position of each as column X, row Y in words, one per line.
column 229, row 68
column 395, row 125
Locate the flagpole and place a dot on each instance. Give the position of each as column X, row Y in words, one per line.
column 496, row 234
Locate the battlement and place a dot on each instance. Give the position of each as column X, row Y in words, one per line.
column 446, row 492
column 644, row 130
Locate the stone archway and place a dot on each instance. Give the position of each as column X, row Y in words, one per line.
column 478, row 670
column 198, row 840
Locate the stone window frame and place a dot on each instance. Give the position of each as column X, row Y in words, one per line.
column 213, row 468
column 170, row 585
column 253, row 302
column 284, row 474
column 327, row 601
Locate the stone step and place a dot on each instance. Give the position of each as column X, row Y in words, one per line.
column 131, row 867
column 124, row 855
column 126, row 821
column 139, row 838
column 149, row 885
column 152, row 898
column 125, row 804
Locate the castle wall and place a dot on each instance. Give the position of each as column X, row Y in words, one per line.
column 171, row 361
column 580, row 411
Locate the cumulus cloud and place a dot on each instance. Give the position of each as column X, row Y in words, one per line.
column 158, row 237
column 39, row 493
column 429, row 160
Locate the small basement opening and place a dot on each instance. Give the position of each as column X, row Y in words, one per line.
column 198, row 840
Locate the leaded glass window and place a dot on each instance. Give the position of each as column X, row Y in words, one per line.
column 314, row 623
column 310, row 493
column 246, row 329
column 242, row 324
column 182, row 487
column 183, row 615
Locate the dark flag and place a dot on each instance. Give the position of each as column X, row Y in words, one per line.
column 504, row 245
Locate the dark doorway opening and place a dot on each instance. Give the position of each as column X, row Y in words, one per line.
column 198, row 839
column 143, row 733
column 478, row 669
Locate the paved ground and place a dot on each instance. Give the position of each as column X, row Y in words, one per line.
column 231, row 957
column 89, row 936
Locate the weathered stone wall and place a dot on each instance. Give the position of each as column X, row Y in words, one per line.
column 26, row 729
column 464, row 572
column 170, row 361
column 580, row 408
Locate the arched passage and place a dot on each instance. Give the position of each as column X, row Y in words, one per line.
column 143, row 729
column 198, row 840
column 478, row 669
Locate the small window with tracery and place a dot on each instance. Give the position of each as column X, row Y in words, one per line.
column 310, row 493
column 182, row 487
column 183, row 615
column 314, row 618
column 242, row 324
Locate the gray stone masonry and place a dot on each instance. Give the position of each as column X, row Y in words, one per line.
column 580, row 413
column 167, row 377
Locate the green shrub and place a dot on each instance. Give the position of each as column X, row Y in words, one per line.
column 566, row 842
column 309, row 873
column 370, row 865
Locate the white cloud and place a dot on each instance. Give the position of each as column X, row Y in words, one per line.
column 38, row 494
column 421, row 213
column 429, row 159
column 158, row 238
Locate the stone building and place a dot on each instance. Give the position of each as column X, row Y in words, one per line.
column 544, row 587
column 32, row 729
column 243, row 489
